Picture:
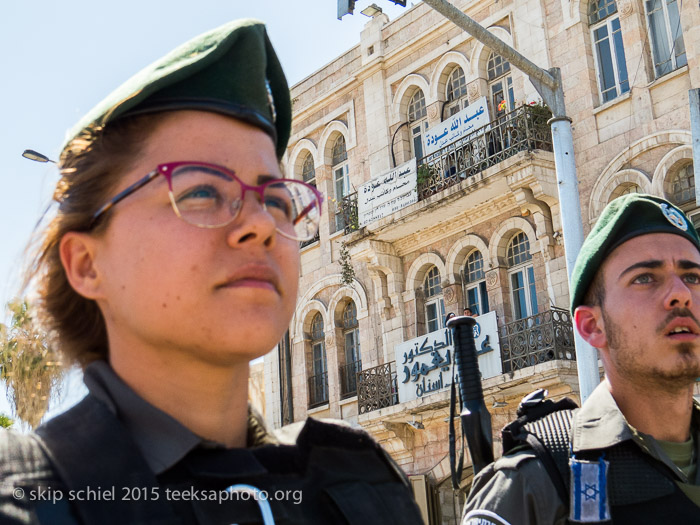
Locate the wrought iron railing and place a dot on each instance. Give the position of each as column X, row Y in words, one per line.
column 348, row 378
column 318, row 389
column 304, row 244
column 536, row 339
column 376, row 388
column 525, row 128
column 348, row 217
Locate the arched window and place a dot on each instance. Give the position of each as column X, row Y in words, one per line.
column 341, row 178
column 308, row 172
column 680, row 185
column 475, row 296
column 434, row 303
column 608, row 50
column 666, row 33
column 624, row 189
column 318, row 380
column 353, row 362
column 456, row 91
column 418, row 124
column 500, row 84
column 522, row 276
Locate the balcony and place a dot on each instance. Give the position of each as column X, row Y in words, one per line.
column 348, row 378
column 524, row 129
column 536, row 339
column 543, row 337
column 304, row 244
column 469, row 172
column 318, row 390
column 376, row 388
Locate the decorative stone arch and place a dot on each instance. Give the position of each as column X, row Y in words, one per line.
column 501, row 238
column 399, row 106
column 347, row 292
column 304, row 317
column 336, row 280
column 297, row 156
column 328, row 137
column 661, row 138
column 443, row 69
column 480, row 53
column 458, row 255
column 416, row 273
column 604, row 187
column 668, row 162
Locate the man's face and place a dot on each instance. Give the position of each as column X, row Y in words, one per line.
column 649, row 320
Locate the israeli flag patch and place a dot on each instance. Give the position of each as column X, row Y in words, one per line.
column 589, row 491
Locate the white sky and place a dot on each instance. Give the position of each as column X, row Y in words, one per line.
column 60, row 58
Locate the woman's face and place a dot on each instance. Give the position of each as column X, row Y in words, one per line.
column 221, row 295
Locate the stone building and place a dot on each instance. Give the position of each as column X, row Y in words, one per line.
column 436, row 160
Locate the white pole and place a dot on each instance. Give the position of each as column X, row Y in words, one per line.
column 572, row 226
column 694, row 96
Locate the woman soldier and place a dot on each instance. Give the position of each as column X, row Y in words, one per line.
column 172, row 261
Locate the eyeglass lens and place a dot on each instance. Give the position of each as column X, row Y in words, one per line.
column 207, row 197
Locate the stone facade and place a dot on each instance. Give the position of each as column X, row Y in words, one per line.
column 359, row 116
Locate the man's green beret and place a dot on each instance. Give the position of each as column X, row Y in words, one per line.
column 624, row 218
column 232, row 70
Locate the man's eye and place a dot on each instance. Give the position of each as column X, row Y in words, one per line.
column 645, row 278
column 692, row 278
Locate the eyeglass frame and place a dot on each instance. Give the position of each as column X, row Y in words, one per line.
column 166, row 169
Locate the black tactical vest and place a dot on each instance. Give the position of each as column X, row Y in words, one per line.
column 332, row 475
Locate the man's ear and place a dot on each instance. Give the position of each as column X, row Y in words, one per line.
column 77, row 251
column 589, row 323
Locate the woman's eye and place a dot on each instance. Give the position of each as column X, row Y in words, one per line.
column 199, row 192
column 278, row 203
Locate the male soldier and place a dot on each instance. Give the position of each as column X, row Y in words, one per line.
column 633, row 452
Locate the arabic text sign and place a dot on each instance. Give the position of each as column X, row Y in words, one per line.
column 471, row 118
column 387, row 193
column 424, row 364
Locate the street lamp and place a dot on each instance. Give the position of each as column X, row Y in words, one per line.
column 36, row 156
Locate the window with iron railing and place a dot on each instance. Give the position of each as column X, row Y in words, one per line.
column 522, row 277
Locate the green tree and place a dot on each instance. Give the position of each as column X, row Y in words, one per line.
column 30, row 369
column 6, row 421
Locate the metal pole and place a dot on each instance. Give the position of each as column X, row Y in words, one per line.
column 549, row 86
column 694, row 96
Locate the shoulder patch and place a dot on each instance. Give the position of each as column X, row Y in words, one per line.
column 483, row 517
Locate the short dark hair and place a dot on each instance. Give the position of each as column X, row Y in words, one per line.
column 595, row 295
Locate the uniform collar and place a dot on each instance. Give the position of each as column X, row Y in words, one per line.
column 162, row 440
column 599, row 423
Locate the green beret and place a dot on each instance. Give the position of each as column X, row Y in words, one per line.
column 232, row 70
column 624, row 218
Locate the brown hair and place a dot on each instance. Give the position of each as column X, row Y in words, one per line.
column 91, row 166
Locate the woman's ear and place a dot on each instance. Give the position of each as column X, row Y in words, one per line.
column 589, row 323
column 77, row 251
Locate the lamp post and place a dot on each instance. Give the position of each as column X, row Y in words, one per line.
column 36, row 156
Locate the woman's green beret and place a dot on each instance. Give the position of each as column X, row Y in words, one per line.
column 232, row 70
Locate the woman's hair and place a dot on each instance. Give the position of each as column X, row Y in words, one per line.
column 91, row 166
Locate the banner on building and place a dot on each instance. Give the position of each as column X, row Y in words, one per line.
column 424, row 364
column 470, row 119
column 387, row 193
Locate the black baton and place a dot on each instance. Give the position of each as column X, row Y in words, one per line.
column 476, row 420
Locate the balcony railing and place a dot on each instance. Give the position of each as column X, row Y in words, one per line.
column 318, row 389
column 536, row 339
column 348, row 378
column 522, row 129
column 304, row 244
column 348, row 218
column 376, row 388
